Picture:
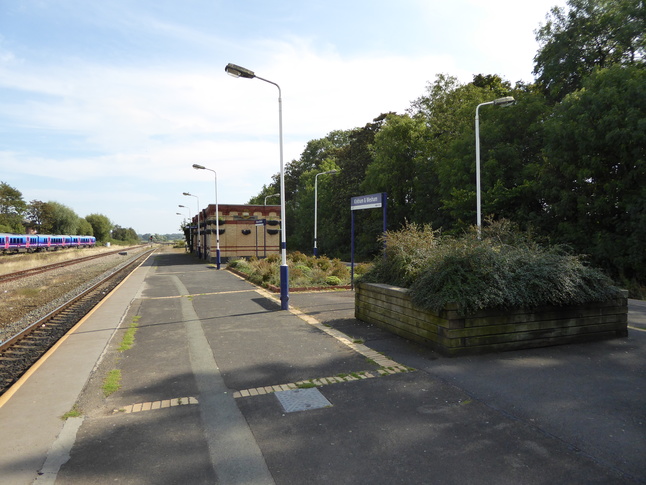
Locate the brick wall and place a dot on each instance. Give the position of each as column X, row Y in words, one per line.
column 452, row 334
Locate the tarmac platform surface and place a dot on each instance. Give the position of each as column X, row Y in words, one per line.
column 221, row 386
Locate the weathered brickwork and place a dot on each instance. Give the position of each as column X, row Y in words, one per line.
column 452, row 334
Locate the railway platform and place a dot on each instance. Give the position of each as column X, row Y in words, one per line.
column 221, row 386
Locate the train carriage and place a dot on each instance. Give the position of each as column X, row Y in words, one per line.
column 21, row 243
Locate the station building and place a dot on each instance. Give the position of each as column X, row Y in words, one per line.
column 245, row 231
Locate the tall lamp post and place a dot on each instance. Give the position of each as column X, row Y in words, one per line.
column 316, row 198
column 199, row 239
column 272, row 195
column 217, row 214
column 237, row 71
column 506, row 101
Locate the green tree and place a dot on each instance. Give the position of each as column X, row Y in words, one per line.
column 445, row 165
column 85, row 228
column 101, row 226
column 125, row 234
column 399, row 148
column 12, row 208
column 64, row 220
column 38, row 213
column 353, row 160
column 591, row 34
column 594, row 179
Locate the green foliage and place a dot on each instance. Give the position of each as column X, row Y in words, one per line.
column 593, row 180
column 63, row 219
column 112, row 382
column 304, row 271
column 128, row 235
column 85, row 228
column 12, row 207
column 503, row 269
column 567, row 161
column 333, row 281
column 591, row 34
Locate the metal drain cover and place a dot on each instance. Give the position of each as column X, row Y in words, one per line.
column 302, row 400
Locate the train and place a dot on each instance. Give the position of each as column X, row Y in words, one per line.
column 29, row 243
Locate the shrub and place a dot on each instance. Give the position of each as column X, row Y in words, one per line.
column 332, row 281
column 304, row 270
column 504, row 269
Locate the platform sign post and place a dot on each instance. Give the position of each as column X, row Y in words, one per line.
column 372, row 201
column 261, row 222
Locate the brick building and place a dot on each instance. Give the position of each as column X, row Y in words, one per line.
column 245, row 231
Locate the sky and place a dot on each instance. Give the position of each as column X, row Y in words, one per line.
column 106, row 105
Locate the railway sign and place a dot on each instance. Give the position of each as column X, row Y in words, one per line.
column 372, row 201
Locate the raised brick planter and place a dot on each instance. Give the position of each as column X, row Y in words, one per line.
column 451, row 334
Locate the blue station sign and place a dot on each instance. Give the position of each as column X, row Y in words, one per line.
column 371, row 201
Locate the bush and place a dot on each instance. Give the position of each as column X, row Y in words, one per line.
column 304, row 270
column 503, row 269
column 332, row 281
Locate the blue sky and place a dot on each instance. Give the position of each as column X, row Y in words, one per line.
column 105, row 105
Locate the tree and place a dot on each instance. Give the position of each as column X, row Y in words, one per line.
column 12, row 207
column 101, row 226
column 39, row 213
column 594, row 179
column 64, row 220
column 122, row 234
column 591, row 34
column 398, row 149
column 353, row 160
column 85, row 228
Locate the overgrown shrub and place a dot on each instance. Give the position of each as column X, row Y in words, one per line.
column 503, row 269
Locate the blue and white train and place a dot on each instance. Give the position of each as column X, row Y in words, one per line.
column 29, row 243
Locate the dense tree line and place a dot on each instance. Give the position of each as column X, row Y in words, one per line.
column 17, row 216
column 567, row 161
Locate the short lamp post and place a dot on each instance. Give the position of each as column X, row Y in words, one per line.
column 217, row 214
column 506, row 101
column 237, row 71
column 199, row 239
column 316, row 198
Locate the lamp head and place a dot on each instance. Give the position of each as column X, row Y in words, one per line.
column 506, row 101
column 237, row 71
column 186, row 193
column 199, row 167
column 332, row 171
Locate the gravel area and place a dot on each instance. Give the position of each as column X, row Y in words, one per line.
column 24, row 301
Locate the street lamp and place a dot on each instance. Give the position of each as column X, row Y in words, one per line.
column 217, row 214
column 190, row 218
column 199, row 240
column 272, row 195
column 316, row 185
column 237, row 71
column 506, row 101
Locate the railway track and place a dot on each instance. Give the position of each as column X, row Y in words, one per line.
column 20, row 352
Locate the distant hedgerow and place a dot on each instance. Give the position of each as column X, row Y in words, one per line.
column 503, row 269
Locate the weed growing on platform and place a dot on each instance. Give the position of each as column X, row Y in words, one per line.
column 306, row 385
column 129, row 337
column 75, row 412
column 112, row 382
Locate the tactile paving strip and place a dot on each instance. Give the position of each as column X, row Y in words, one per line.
column 302, row 400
